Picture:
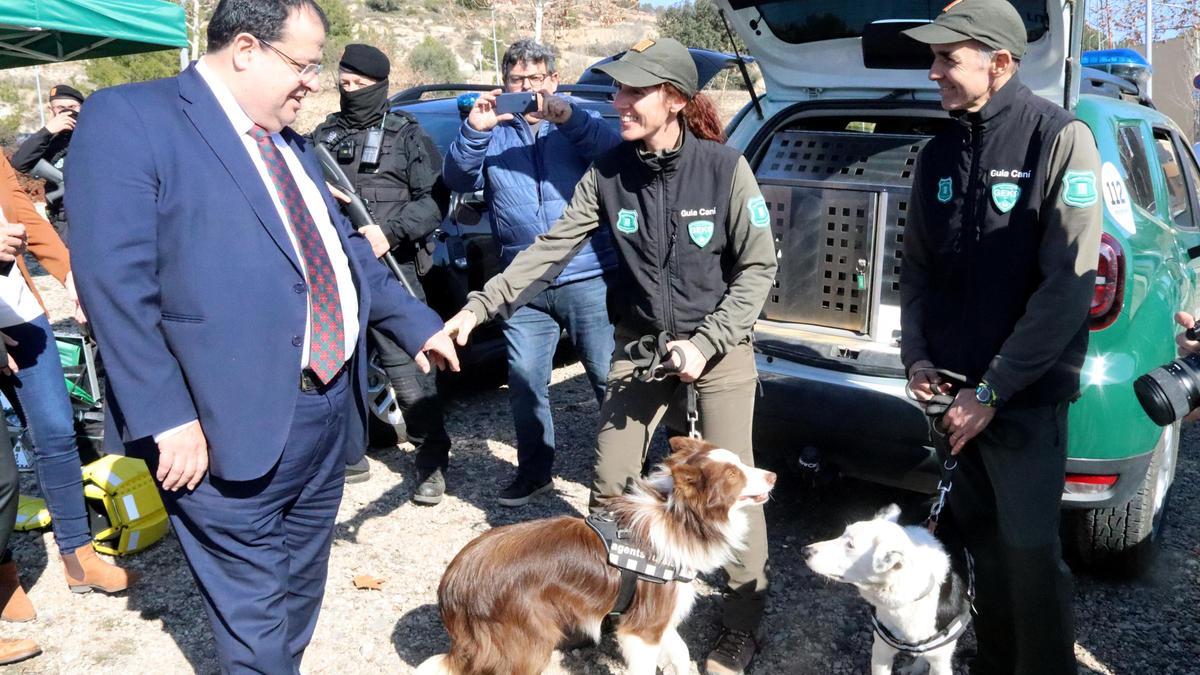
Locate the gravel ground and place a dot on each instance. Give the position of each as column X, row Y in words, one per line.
column 1149, row 626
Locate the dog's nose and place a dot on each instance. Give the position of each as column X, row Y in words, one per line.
column 771, row 478
column 808, row 552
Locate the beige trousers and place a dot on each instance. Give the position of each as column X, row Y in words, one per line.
column 630, row 414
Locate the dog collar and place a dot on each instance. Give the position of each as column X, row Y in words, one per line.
column 952, row 631
column 939, row 639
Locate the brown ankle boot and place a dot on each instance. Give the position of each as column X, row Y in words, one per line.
column 12, row 651
column 17, row 606
column 87, row 572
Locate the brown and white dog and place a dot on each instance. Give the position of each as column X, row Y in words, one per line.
column 512, row 594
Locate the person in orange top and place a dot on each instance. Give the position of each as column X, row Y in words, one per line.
column 36, row 387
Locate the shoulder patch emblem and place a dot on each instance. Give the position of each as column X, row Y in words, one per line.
column 945, row 189
column 1005, row 196
column 1079, row 188
column 701, row 232
column 627, row 221
column 760, row 215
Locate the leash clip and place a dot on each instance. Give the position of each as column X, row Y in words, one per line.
column 945, row 483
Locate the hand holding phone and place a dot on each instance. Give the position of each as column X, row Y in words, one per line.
column 519, row 103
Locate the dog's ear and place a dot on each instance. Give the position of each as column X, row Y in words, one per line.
column 890, row 513
column 887, row 560
column 683, row 447
column 688, row 479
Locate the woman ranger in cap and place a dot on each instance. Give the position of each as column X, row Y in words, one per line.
column 697, row 260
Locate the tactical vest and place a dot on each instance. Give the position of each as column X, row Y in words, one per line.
column 981, row 184
column 381, row 185
column 669, row 218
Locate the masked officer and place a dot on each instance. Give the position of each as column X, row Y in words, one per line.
column 999, row 263
column 395, row 168
column 50, row 143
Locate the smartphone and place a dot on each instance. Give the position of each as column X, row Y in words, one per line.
column 74, row 114
column 520, row 103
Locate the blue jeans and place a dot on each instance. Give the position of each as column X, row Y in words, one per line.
column 581, row 308
column 41, row 394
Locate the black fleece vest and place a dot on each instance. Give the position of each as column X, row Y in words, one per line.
column 669, row 217
column 982, row 187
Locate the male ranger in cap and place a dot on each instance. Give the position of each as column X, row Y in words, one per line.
column 50, row 143
column 999, row 264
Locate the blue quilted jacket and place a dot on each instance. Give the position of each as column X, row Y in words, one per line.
column 527, row 181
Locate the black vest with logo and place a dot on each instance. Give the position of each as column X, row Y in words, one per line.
column 982, row 188
column 669, row 216
column 383, row 186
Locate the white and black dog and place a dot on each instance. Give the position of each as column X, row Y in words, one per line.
column 922, row 605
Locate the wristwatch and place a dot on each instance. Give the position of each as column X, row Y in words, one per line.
column 986, row 395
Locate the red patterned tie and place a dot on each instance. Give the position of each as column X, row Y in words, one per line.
column 328, row 335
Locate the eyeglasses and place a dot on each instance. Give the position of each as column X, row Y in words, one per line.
column 535, row 80
column 306, row 72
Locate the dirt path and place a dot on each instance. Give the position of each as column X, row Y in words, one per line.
column 813, row 626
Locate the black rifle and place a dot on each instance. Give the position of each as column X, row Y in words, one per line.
column 356, row 209
column 48, row 172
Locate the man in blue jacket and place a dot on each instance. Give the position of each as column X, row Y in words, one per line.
column 528, row 166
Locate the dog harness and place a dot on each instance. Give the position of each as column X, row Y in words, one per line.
column 947, row 635
column 632, row 559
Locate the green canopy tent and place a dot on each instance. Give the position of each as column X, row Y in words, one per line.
column 33, row 32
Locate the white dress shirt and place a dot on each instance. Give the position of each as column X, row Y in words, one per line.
column 348, row 295
column 17, row 304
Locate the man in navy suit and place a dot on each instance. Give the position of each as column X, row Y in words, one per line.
column 230, row 299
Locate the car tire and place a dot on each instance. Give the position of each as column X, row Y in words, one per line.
column 386, row 427
column 1122, row 541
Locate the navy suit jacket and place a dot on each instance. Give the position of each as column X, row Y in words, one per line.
column 194, row 291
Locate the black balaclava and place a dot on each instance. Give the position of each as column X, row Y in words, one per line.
column 365, row 107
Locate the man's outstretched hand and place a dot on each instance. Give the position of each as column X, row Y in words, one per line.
column 440, row 350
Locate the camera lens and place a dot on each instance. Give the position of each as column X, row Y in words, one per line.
column 1170, row 392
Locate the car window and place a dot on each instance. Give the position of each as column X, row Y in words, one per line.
column 1136, row 165
column 1178, row 200
column 812, row 20
column 441, row 127
column 1191, row 172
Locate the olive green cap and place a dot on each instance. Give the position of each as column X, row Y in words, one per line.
column 651, row 62
column 995, row 23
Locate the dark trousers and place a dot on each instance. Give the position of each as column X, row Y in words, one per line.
column 1004, row 508
column 10, row 493
column 416, row 393
column 259, row 549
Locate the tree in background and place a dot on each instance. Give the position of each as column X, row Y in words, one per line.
column 696, row 24
column 114, row 70
column 111, row 71
column 1124, row 21
column 433, row 61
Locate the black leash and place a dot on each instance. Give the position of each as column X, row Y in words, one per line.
column 652, row 363
column 935, row 409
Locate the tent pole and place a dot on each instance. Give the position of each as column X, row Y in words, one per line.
column 37, row 79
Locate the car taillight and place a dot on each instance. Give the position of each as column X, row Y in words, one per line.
column 1110, row 284
column 1088, row 484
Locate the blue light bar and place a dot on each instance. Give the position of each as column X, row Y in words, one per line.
column 466, row 102
column 1113, row 57
column 1124, row 63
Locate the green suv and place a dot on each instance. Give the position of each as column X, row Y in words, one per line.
column 848, row 106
